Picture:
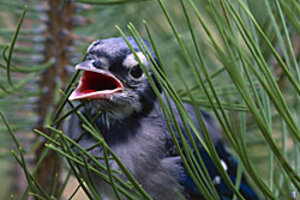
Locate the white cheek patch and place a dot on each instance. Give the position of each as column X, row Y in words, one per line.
column 130, row 60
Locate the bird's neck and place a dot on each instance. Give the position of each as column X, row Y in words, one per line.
column 116, row 129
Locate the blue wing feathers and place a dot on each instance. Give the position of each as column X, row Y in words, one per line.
column 231, row 165
column 220, row 185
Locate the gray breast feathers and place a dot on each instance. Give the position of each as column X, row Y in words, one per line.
column 144, row 154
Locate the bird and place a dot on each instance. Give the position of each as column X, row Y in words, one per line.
column 133, row 125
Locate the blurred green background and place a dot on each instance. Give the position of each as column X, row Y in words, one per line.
column 54, row 35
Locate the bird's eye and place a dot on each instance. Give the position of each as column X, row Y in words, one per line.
column 136, row 73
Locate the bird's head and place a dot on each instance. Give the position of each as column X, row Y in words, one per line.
column 113, row 80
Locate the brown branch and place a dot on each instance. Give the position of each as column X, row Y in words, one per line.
column 57, row 44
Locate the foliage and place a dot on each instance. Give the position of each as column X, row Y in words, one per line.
column 238, row 59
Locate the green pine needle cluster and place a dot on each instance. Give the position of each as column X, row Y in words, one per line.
column 238, row 59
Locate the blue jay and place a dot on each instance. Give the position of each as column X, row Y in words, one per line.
column 133, row 125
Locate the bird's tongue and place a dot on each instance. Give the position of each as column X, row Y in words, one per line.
column 93, row 85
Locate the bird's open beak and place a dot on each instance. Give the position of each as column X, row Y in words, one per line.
column 95, row 84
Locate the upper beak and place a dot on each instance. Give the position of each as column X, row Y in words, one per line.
column 95, row 83
column 88, row 66
column 85, row 65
